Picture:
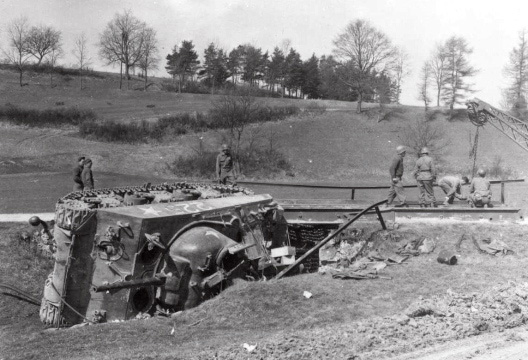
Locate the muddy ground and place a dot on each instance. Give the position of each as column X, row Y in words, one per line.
column 473, row 308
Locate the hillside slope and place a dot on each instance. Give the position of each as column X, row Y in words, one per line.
column 337, row 146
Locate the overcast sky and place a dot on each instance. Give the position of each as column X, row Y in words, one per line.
column 490, row 27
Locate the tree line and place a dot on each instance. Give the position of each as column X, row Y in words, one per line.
column 364, row 65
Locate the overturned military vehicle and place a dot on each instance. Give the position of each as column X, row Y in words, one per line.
column 125, row 251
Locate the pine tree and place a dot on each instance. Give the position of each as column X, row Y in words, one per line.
column 517, row 72
column 458, row 71
column 312, row 78
column 182, row 62
column 214, row 67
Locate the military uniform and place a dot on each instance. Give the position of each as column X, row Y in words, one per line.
column 396, row 188
column 87, row 176
column 77, row 181
column 480, row 192
column 452, row 187
column 425, row 174
column 225, row 168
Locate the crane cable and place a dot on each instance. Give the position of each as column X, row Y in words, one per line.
column 473, row 151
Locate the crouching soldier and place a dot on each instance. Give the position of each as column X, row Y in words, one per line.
column 452, row 188
column 480, row 191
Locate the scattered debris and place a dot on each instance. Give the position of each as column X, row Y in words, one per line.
column 307, row 294
column 447, row 257
column 427, row 247
column 248, row 347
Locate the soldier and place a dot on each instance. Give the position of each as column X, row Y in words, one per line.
column 396, row 173
column 480, row 190
column 225, row 167
column 87, row 176
column 425, row 174
column 77, row 170
column 452, row 186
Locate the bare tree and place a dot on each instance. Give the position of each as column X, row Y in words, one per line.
column 123, row 41
column 17, row 53
column 363, row 49
column 53, row 57
column 150, row 58
column 458, row 70
column 285, row 48
column 422, row 133
column 517, row 72
column 423, row 85
column 235, row 112
column 401, row 70
column 438, row 63
column 42, row 40
column 80, row 52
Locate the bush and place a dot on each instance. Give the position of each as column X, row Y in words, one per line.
column 45, row 118
column 174, row 125
column 255, row 163
column 497, row 170
column 169, row 87
column 228, row 113
column 423, row 133
column 263, row 163
column 60, row 70
column 197, row 165
column 193, row 87
column 112, row 131
column 314, row 109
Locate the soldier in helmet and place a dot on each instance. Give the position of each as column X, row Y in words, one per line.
column 225, row 167
column 480, row 190
column 77, row 171
column 396, row 173
column 425, row 174
column 452, row 188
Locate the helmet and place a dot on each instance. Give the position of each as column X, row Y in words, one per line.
column 400, row 149
column 225, row 147
column 424, row 150
column 481, row 172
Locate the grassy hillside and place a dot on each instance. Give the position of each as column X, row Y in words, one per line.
column 338, row 146
column 103, row 96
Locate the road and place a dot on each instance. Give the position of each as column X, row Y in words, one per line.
column 38, row 192
column 512, row 345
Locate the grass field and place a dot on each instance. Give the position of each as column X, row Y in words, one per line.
column 339, row 145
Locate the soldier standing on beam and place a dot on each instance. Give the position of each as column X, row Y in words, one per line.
column 396, row 173
column 225, row 167
column 425, row 174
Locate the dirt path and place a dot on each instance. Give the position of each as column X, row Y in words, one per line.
column 495, row 346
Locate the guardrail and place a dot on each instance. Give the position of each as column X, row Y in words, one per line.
column 353, row 188
column 334, row 234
